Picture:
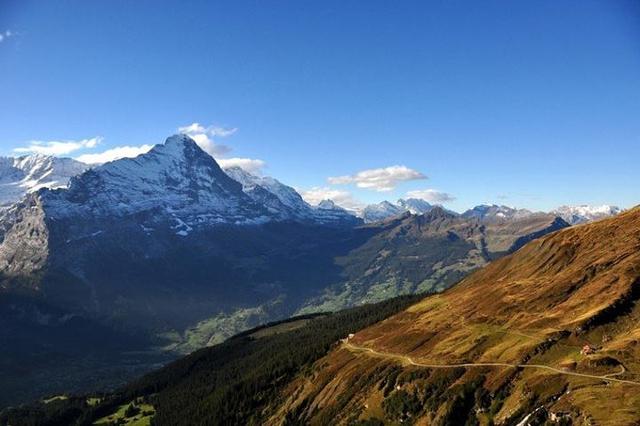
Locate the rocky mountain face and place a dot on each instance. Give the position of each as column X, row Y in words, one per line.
column 547, row 334
column 284, row 202
column 385, row 209
column 21, row 175
column 175, row 179
column 496, row 212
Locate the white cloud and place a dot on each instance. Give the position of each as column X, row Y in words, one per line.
column 381, row 180
column 204, row 137
column 5, row 35
column 251, row 165
column 114, row 154
column 58, row 147
column 431, row 195
column 342, row 198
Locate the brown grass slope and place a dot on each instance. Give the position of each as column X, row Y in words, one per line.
column 532, row 311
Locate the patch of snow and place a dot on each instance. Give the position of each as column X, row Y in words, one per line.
column 584, row 213
column 30, row 173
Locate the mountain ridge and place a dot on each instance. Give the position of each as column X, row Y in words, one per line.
column 29, row 173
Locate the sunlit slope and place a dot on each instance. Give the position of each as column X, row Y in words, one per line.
column 519, row 326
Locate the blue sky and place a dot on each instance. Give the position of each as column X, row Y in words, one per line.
column 531, row 104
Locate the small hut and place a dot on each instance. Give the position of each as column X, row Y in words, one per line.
column 587, row 350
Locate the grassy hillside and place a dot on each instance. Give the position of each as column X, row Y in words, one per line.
column 550, row 332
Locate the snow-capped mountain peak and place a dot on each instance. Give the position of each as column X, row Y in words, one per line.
column 585, row 213
column 285, row 202
column 415, row 205
column 285, row 194
column 29, row 173
column 177, row 176
column 328, row 205
column 496, row 212
column 386, row 209
column 178, row 183
column 380, row 211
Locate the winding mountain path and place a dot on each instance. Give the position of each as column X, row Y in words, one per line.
column 399, row 357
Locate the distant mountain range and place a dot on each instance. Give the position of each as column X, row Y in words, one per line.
column 22, row 175
column 571, row 214
column 171, row 249
column 385, row 209
column 583, row 214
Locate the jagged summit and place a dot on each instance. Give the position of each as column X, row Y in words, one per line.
column 585, row 213
column 328, row 205
column 386, row 209
column 177, row 177
column 179, row 140
column 414, row 205
column 285, row 203
column 284, row 194
column 438, row 212
column 178, row 182
column 496, row 212
column 29, row 173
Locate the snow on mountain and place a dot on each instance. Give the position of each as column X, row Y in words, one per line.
column 285, row 202
column 279, row 197
column 21, row 175
column 185, row 183
column 496, row 212
column 380, row 211
column 487, row 212
column 329, row 205
column 415, row 205
column 178, row 182
column 176, row 177
column 386, row 209
column 584, row 213
column 327, row 212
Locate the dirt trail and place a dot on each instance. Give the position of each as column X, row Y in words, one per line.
column 399, row 357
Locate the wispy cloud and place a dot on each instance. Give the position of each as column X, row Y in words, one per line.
column 431, row 195
column 251, row 165
column 5, row 35
column 381, row 180
column 114, row 154
column 204, row 137
column 58, row 147
column 342, row 198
